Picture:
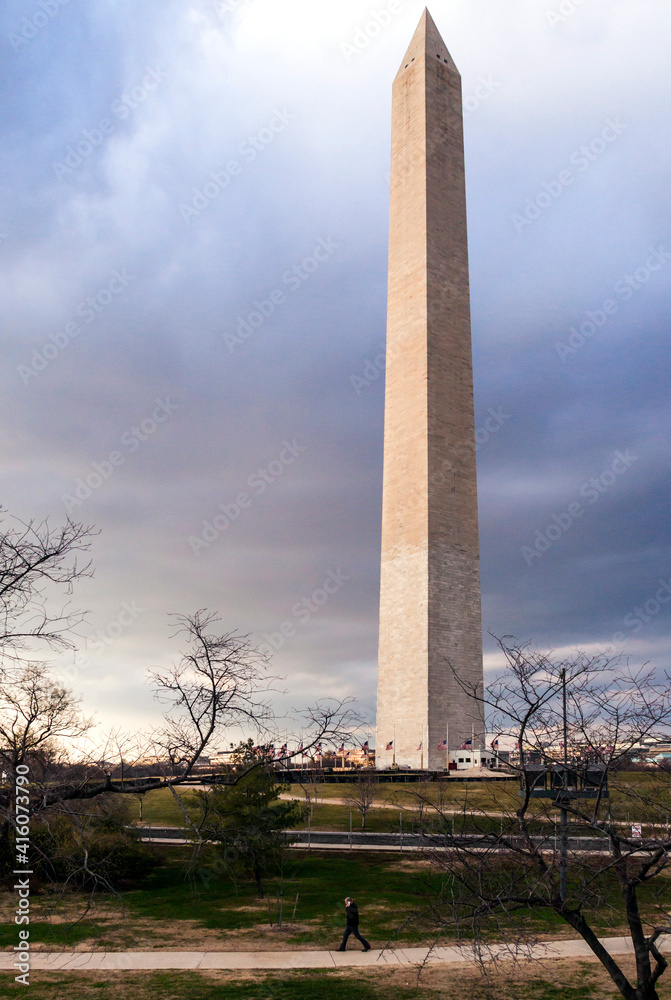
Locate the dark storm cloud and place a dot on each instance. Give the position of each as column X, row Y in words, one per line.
column 203, row 196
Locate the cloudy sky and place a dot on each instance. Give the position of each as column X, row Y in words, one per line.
column 193, row 234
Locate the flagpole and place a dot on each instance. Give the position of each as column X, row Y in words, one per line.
column 393, row 748
column 447, row 746
column 421, row 756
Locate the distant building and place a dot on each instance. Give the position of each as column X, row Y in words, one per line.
column 462, row 760
column 148, row 761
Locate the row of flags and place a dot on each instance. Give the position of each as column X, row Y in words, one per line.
column 269, row 749
column 442, row 747
column 318, row 749
column 466, row 745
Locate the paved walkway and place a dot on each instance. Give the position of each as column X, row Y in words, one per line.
column 160, row 960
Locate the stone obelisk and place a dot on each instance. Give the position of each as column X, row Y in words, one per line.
column 430, row 618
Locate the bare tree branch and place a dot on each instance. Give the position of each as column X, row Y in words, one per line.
column 499, row 878
column 37, row 562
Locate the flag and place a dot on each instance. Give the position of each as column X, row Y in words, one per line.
column 390, row 745
column 466, row 745
column 419, row 747
column 341, row 749
column 348, row 753
column 364, row 747
column 495, row 744
column 300, row 749
column 443, row 745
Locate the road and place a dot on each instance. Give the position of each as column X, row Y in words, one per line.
column 363, row 840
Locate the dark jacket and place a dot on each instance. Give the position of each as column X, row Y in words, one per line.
column 352, row 912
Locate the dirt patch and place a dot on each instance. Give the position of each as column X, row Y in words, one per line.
column 188, row 935
column 414, row 864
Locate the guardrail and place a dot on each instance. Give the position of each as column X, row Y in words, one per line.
column 362, row 838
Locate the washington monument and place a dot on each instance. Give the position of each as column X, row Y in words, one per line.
column 430, row 618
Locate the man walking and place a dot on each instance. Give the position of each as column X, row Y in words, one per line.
column 352, row 913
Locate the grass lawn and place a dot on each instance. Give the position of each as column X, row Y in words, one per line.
column 212, row 913
column 635, row 797
column 385, row 889
column 159, row 807
column 393, row 808
column 579, row 980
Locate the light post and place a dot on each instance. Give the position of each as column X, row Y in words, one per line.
column 563, row 857
column 561, row 784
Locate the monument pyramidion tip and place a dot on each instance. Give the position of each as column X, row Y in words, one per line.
column 427, row 43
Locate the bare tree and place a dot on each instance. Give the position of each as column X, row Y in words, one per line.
column 37, row 562
column 577, row 723
column 36, row 715
column 221, row 682
column 363, row 796
column 424, row 801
